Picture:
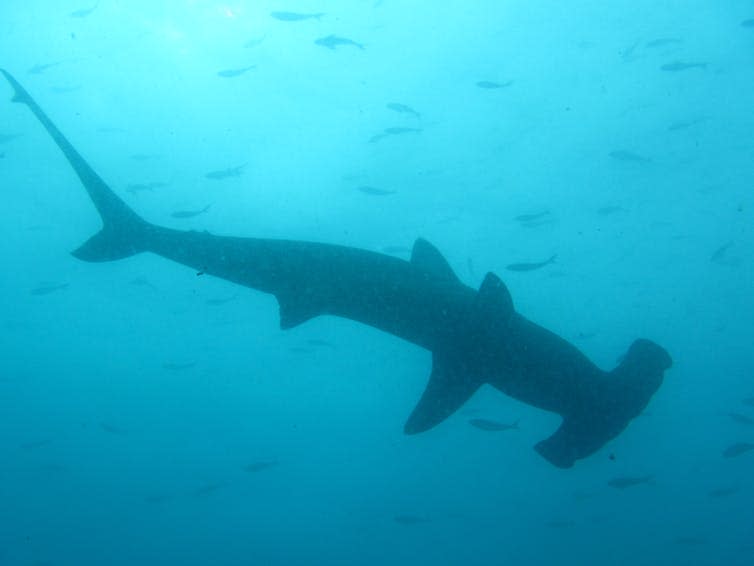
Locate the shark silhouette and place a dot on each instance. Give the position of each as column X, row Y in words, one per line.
column 475, row 336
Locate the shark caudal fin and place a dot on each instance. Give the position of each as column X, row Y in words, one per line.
column 627, row 391
column 123, row 231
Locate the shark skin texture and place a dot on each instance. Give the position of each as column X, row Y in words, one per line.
column 475, row 335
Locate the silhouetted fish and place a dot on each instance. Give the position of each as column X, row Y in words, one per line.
column 628, row 156
column 683, row 124
column 295, row 16
column 254, row 42
column 112, row 429
column 83, row 12
column 48, row 289
column 207, row 489
column 749, row 401
column 142, row 282
column 530, row 266
column 225, row 173
column 40, row 68
column 663, row 42
column 748, row 23
column 493, row 426
column 560, row 523
column 741, row 419
column 737, row 449
column 690, row 540
column 260, row 465
column 5, row 138
column 718, row 256
column 410, row 519
column 628, row 481
column 610, row 209
column 135, row 188
column 676, row 66
column 189, row 213
column 531, row 217
column 402, row 109
column 396, row 131
column 724, row 491
column 230, row 73
column 374, row 191
column 493, row 85
column 333, row 41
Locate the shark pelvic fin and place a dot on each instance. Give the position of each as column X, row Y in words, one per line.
column 430, row 261
column 448, row 388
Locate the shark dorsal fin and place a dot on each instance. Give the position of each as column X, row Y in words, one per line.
column 429, row 260
column 494, row 298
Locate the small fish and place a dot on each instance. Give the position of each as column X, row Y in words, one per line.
column 142, row 282
column 144, row 187
column 377, row 137
column 560, row 524
column 748, row 23
column 663, row 42
column 676, row 66
column 48, row 289
column 255, row 42
column 683, row 124
column 719, row 255
column 741, row 419
column 396, row 131
column 295, row 16
column 333, row 41
column 172, row 366
column 143, row 156
column 374, row 191
column 724, row 491
column 627, row 156
column 42, row 67
column 207, row 489
column 737, row 449
column 220, row 301
column 112, row 429
column 157, row 498
column 493, row 85
column 260, row 465
column 230, row 73
column 609, row 209
column 690, row 540
column 35, row 444
column 493, row 426
column 530, row 266
column 531, row 217
column 189, row 213
column 5, row 138
column 402, row 109
column 628, row 481
column 410, row 519
column 225, row 173
column 83, row 12
column 749, row 401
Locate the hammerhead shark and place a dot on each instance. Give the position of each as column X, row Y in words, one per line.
column 475, row 335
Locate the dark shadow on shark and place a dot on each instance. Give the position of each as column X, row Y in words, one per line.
column 475, row 336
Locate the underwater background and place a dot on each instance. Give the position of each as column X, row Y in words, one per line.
column 149, row 415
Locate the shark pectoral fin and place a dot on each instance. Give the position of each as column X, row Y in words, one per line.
column 577, row 438
column 295, row 309
column 446, row 391
column 430, row 261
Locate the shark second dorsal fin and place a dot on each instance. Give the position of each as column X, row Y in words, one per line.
column 494, row 299
column 429, row 260
column 449, row 387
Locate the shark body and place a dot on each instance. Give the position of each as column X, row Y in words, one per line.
column 475, row 335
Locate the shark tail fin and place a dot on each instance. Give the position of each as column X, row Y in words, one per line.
column 626, row 392
column 123, row 232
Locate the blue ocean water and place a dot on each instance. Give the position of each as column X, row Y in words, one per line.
column 152, row 415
